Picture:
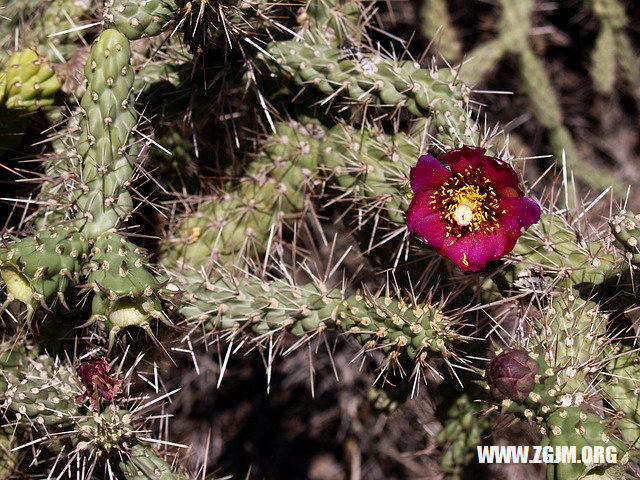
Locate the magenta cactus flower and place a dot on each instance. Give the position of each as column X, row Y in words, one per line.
column 94, row 373
column 471, row 212
column 512, row 375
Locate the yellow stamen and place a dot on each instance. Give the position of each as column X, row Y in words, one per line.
column 468, row 203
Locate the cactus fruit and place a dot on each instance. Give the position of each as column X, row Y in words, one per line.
column 27, row 83
column 124, row 292
column 511, row 375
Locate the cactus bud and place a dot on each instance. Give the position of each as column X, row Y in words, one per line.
column 512, row 375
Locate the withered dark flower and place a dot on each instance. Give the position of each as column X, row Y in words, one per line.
column 471, row 212
column 512, row 375
column 99, row 385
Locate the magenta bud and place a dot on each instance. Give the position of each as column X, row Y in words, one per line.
column 512, row 375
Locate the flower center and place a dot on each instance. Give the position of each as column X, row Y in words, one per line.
column 463, row 214
column 468, row 203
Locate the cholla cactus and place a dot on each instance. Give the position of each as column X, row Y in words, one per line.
column 438, row 257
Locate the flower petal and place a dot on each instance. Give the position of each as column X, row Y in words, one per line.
column 428, row 174
column 462, row 158
column 470, row 252
column 432, row 230
column 420, row 209
column 501, row 174
column 524, row 211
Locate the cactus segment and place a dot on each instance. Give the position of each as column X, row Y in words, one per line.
column 622, row 392
column 330, row 21
column 44, row 395
column 141, row 462
column 275, row 187
column 60, row 16
column 9, row 459
column 603, row 64
column 554, row 252
column 38, row 268
column 437, row 26
column 381, row 81
column 481, row 61
column 366, row 167
column 573, row 426
column 41, row 396
column 106, row 146
column 138, row 19
column 464, row 428
column 558, row 410
column 625, row 228
column 395, row 327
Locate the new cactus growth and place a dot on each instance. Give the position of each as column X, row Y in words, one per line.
column 27, row 83
column 124, row 292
